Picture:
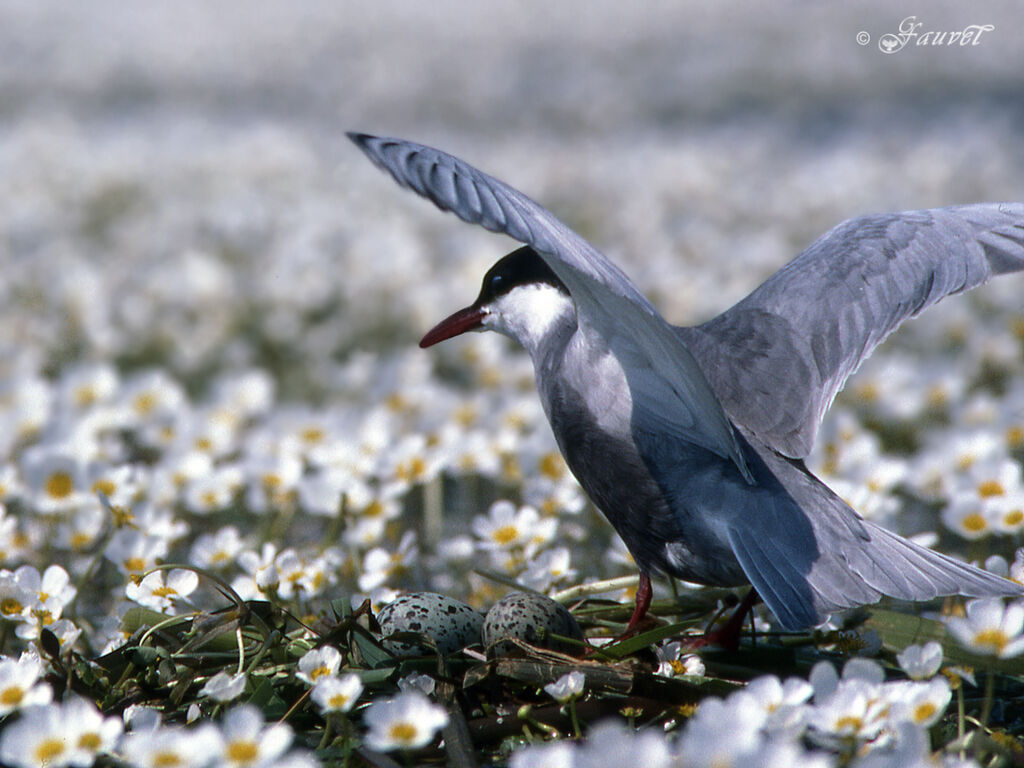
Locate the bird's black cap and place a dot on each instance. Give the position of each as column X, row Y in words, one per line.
column 521, row 267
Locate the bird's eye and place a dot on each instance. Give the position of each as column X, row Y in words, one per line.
column 497, row 281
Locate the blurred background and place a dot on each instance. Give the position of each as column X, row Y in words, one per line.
column 176, row 185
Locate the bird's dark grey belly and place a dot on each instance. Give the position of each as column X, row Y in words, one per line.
column 663, row 529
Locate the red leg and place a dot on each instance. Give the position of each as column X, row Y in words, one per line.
column 728, row 637
column 644, row 593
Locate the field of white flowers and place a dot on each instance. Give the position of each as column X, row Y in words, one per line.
column 220, row 446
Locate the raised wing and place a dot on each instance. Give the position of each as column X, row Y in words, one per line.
column 778, row 357
column 669, row 390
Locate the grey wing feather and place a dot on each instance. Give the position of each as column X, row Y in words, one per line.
column 669, row 390
column 778, row 357
column 830, row 558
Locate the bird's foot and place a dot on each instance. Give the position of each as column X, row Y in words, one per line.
column 727, row 636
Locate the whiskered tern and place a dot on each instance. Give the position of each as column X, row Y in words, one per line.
column 691, row 440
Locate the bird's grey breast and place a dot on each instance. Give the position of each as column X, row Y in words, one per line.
column 633, row 478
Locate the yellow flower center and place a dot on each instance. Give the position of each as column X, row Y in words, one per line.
column 990, row 488
column 868, row 392
column 995, row 639
column 465, row 415
column 678, row 667
column 59, row 485
column 49, row 750
column 937, row 397
column 10, row 607
column 965, row 462
column 312, row 435
column 849, row 722
column 90, row 741
column 403, row 733
column 134, row 564
column 922, row 712
column 106, row 487
column 85, row 395
column 339, row 701
column 506, row 534
column 411, row 470
column 1014, row 517
column 242, row 751
column 12, row 696
column 550, row 465
column 974, row 523
column 145, row 403
column 167, row 759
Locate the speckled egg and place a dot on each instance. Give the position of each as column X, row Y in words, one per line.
column 521, row 615
column 448, row 622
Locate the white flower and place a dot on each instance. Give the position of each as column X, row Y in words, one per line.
column 224, row 687
column 151, row 395
column 73, row 733
column 217, row 550
column 920, row 662
column 337, row 694
column 84, row 386
column 723, row 733
column 920, row 703
column 505, row 527
column 613, row 743
column 247, row 743
column 40, row 738
column 548, row 568
column 380, row 566
column 783, row 702
column 909, row 749
column 567, row 687
column 672, row 661
column 19, row 683
column 291, row 573
column 990, row 628
column 158, row 747
column 52, row 590
column 262, row 570
column 414, row 681
column 160, row 590
column 213, row 491
column 856, row 709
column 134, row 551
column 408, row 721
column 55, row 477
column 271, row 480
column 317, row 663
column 90, row 733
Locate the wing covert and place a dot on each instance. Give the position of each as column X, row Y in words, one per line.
column 778, row 357
column 608, row 306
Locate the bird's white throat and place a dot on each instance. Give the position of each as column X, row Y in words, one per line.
column 530, row 313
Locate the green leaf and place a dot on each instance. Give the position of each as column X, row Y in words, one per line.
column 636, row 643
